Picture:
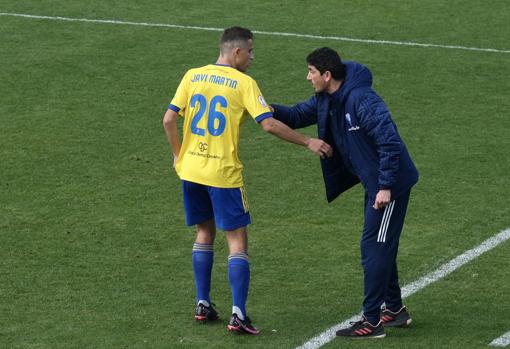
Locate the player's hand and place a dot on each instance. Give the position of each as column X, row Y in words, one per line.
column 382, row 199
column 175, row 161
column 319, row 147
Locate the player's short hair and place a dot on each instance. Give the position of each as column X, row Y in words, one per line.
column 235, row 37
column 327, row 59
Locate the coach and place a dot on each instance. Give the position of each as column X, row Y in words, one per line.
column 355, row 121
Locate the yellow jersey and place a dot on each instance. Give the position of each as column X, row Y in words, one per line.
column 214, row 100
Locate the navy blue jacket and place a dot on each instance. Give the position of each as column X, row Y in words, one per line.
column 355, row 121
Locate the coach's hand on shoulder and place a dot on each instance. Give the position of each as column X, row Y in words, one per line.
column 319, row 147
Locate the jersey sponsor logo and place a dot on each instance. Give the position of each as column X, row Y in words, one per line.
column 262, row 101
column 208, row 156
column 349, row 121
column 202, row 146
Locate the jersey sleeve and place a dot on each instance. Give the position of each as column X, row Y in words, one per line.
column 178, row 103
column 255, row 103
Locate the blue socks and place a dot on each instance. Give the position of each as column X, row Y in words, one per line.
column 202, row 258
column 239, row 278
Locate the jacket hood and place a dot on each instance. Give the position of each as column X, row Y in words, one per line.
column 356, row 76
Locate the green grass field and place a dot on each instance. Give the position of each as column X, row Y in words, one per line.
column 94, row 250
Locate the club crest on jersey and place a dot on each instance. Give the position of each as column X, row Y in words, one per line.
column 262, row 101
column 349, row 121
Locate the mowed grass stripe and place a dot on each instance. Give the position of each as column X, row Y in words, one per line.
column 297, row 35
column 447, row 268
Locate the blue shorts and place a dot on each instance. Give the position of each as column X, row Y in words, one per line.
column 228, row 206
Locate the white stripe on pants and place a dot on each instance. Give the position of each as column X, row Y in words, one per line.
column 383, row 229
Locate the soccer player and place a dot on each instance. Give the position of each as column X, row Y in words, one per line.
column 368, row 149
column 213, row 100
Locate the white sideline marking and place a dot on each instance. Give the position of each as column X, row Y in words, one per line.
column 502, row 341
column 297, row 35
column 328, row 335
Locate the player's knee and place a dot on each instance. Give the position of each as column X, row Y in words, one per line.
column 237, row 240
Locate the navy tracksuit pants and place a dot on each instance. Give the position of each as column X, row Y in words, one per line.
column 379, row 247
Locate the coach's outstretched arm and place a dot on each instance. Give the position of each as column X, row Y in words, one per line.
column 279, row 129
column 301, row 115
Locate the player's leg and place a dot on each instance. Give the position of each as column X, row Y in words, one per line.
column 202, row 260
column 231, row 214
column 199, row 212
column 238, row 269
column 239, row 278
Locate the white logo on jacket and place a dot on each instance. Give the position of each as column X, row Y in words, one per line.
column 349, row 121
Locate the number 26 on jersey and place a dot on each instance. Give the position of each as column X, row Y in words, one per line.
column 215, row 128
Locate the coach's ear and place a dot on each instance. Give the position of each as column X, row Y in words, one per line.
column 327, row 76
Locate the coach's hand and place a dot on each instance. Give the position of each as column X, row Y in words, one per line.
column 382, row 199
column 319, row 147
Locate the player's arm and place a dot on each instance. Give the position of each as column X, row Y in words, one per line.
column 262, row 113
column 280, row 130
column 175, row 107
column 170, row 125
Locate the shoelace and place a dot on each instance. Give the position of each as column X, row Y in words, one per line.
column 357, row 323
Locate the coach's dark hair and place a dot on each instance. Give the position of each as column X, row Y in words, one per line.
column 327, row 59
column 235, row 36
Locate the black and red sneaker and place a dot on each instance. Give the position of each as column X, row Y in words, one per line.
column 362, row 329
column 241, row 326
column 400, row 318
column 205, row 313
